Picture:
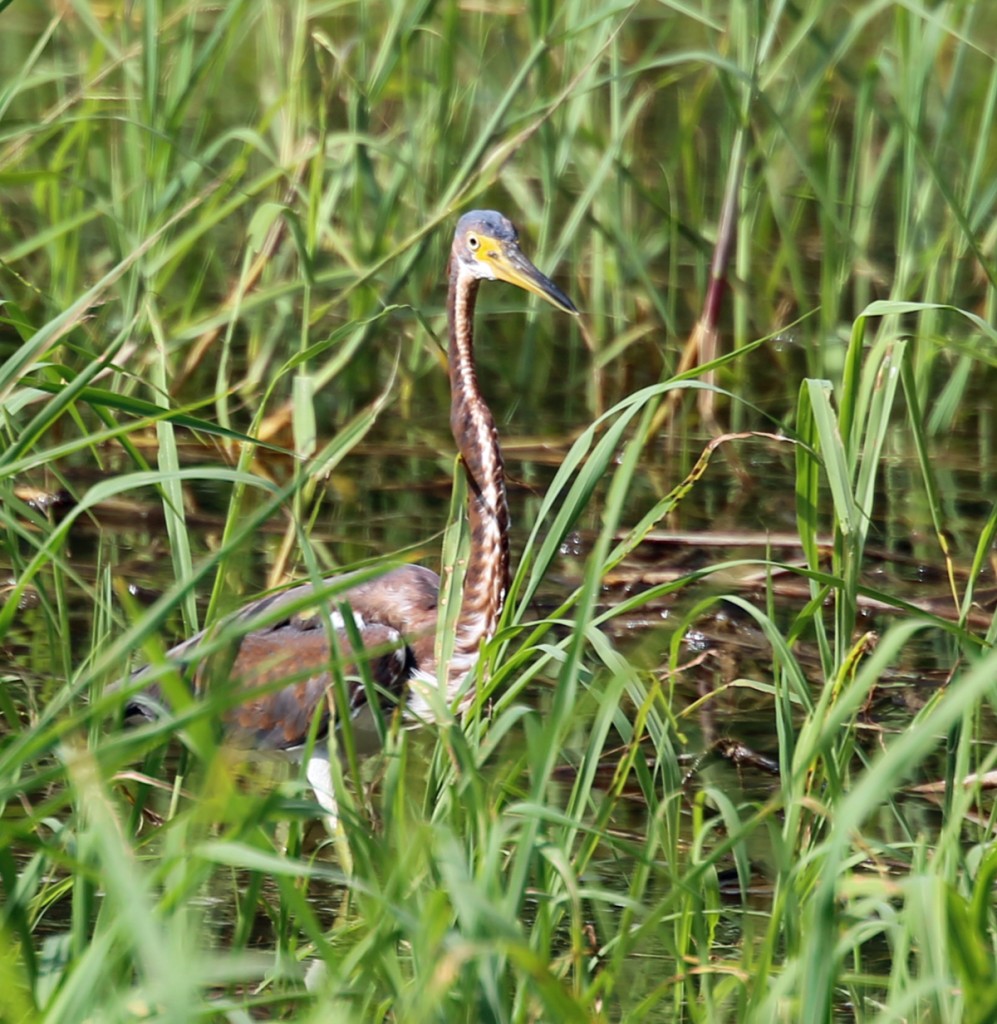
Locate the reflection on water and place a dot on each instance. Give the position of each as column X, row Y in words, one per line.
column 371, row 507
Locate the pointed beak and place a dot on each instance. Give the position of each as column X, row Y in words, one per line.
column 509, row 264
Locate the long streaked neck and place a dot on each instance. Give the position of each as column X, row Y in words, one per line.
column 486, row 579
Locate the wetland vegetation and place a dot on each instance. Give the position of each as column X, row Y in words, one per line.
column 733, row 757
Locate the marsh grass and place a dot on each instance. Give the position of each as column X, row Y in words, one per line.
column 228, row 223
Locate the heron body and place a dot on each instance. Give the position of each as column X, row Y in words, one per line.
column 394, row 614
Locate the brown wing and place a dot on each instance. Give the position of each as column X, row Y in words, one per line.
column 395, row 615
column 281, row 716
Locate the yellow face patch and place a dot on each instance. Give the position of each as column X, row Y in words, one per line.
column 506, row 262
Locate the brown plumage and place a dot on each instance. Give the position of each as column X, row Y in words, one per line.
column 395, row 613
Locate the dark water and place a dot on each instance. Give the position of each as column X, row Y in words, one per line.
column 386, row 498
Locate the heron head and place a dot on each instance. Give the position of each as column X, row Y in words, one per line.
column 486, row 247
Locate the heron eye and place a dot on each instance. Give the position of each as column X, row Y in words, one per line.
column 473, row 243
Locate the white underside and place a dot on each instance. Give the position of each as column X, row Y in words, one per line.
column 318, row 771
column 426, row 704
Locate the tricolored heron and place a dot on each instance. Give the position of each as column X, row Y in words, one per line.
column 395, row 614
